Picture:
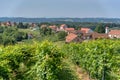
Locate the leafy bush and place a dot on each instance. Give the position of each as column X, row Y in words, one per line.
column 40, row 61
column 49, row 63
column 99, row 58
column 44, row 60
column 61, row 35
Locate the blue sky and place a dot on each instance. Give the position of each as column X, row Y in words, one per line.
column 60, row 8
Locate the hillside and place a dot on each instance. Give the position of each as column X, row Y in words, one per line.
column 38, row 20
column 98, row 60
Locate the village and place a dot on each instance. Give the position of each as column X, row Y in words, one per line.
column 85, row 33
column 59, row 40
column 89, row 53
column 73, row 35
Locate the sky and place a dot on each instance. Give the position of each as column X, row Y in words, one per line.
column 60, row 8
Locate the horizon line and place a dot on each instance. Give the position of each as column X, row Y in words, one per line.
column 62, row 17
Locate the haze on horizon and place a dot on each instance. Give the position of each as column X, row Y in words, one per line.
column 60, row 8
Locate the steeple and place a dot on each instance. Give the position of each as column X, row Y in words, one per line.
column 106, row 30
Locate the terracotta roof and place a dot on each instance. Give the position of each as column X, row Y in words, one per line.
column 75, row 32
column 114, row 32
column 63, row 24
column 85, row 30
column 99, row 35
column 71, row 37
column 69, row 29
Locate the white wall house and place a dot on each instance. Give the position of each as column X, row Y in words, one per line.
column 62, row 27
column 114, row 34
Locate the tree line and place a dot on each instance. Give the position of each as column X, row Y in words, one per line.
column 11, row 35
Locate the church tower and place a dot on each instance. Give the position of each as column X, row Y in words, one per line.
column 107, row 30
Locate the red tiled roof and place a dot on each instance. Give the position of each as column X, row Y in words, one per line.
column 115, row 32
column 63, row 25
column 70, row 37
column 69, row 29
column 85, row 30
column 99, row 35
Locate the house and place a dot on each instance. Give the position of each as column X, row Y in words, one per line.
column 114, row 34
column 72, row 38
column 62, row 27
column 86, row 36
column 8, row 23
column 34, row 27
column 69, row 30
column 43, row 26
column 96, row 35
column 86, row 30
column 54, row 28
column 89, row 34
column 86, row 33
column 2, row 24
column 78, row 35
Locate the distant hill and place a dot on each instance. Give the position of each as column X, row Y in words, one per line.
column 36, row 20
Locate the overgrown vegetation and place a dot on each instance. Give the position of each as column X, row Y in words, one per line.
column 40, row 61
column 11, row 35
column 48, row 61
column 99, row 58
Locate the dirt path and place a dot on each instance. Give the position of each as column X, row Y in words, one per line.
column 79, row 72
column 82, row 75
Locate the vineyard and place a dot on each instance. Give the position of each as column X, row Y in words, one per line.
column 45, row 60
column 101, row 58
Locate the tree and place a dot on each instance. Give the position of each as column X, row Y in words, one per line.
column 62, row 35
column 1, row 29
column 45, row 31
column 1, row 39
column 19, row 36
column 21, row 25
column 26, row 25
column 48, row 65
column 100, row 28
column 11, row 35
